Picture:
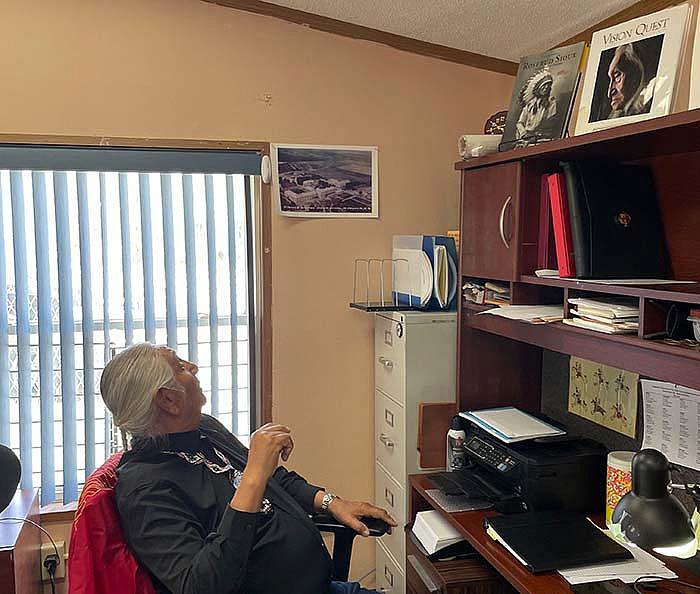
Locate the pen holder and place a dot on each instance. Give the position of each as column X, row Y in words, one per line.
column 618, row 481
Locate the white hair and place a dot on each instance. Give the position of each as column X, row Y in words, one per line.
column 129, row 383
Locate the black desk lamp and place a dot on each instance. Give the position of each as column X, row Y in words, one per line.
column 10, row 471
column 649, row 515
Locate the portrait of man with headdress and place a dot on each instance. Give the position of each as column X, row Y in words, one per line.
column 542, row 97
column 539, row 108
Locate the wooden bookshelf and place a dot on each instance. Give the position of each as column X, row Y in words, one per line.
column 680, row 365
column 499, row 360
column 681, row 293
column 673, row 134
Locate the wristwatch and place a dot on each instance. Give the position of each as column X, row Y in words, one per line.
column 327, row 500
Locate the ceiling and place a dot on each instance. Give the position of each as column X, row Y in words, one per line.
column 505, row 29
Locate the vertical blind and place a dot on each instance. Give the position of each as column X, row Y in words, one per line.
column 93, row 261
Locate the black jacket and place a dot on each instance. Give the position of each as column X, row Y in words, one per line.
column 177, row 520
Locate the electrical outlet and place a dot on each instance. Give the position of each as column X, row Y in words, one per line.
column 48, row 550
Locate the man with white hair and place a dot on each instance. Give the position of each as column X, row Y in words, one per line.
column 201, row 512
column 629, row 92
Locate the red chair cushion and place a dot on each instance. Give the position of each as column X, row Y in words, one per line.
column 99, row 561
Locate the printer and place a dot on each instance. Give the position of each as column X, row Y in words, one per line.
column 556, row 473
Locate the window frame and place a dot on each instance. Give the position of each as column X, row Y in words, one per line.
column 260, row 200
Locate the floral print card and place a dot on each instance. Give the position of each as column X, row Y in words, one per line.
column 604, row 395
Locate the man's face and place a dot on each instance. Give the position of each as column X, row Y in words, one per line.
column 545, row 89
column 616, row 88
column 185, row 374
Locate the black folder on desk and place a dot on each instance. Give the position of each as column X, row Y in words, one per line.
column 547, row 541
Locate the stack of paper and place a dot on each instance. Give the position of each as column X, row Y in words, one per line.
column 644, row 564
column 608, row 316
column 511, row 425
column 489, row 292
column 434, row 532
column 534, row 314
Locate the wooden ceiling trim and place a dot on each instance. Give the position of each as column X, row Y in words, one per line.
column 337, row 27
column 639, row 9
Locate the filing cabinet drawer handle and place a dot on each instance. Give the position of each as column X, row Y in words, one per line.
column 389, row 497
column 384, row 438
column 502, row 220
column 386, row 362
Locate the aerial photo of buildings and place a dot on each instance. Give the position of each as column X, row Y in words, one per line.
column 318, row 180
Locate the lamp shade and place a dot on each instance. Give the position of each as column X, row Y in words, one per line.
column 10, row 471
column 649, row 515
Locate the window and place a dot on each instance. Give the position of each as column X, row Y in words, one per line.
column 95, row 259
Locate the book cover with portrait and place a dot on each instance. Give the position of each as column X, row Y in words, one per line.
column 694, row 99
column 632, row 70
column 543, row 96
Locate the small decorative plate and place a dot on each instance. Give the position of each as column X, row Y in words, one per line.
column 496, row 123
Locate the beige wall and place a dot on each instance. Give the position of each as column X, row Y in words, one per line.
column 187, row 69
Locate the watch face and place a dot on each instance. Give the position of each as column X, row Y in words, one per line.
column 496, row 123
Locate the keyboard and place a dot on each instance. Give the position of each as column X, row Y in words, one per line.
column 459, row 483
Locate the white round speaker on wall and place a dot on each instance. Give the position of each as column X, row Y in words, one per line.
column 266, row 169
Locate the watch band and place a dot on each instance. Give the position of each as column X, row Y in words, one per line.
column 328, row 498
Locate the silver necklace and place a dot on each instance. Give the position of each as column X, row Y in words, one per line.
column 234, row 474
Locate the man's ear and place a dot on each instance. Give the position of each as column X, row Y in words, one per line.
column 169, row 401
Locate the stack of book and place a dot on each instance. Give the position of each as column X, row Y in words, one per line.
column 486, row 292
column 604, row 315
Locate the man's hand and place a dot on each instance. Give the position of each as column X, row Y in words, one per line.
column 267, row 444
column 349, row 513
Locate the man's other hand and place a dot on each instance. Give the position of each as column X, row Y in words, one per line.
column 349, row 512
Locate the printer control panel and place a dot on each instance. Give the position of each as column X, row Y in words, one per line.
column 497, row 458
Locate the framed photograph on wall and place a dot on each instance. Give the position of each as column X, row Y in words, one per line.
column 632, row 70
column 325, row 181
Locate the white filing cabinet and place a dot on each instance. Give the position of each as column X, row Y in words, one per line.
column 414, row 361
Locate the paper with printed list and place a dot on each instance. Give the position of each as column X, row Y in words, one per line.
column 671, row 415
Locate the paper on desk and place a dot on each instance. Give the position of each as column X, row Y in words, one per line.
column 671, row 421
column 643, row 564
column 527, row 313
column 635, row 281
column 616, row 281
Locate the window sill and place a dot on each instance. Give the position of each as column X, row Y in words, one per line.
column 55, row 512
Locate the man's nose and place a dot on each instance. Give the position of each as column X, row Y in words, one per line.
column 611, row 90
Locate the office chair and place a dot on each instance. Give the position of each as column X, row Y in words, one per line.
column 100, row 562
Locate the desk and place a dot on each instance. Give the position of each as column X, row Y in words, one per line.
column 20, row 546
column 471, row 526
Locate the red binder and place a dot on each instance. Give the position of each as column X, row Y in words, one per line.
column 562, row 224
column 546, row 251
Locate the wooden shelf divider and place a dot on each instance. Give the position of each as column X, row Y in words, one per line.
column 682, row 293
column 651, row 358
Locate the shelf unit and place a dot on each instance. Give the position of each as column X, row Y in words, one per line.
column 499, row 360
column 680, row 365
column 669, row 135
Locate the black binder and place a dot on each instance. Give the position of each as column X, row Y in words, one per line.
column 547, row 541
column 616, row 226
